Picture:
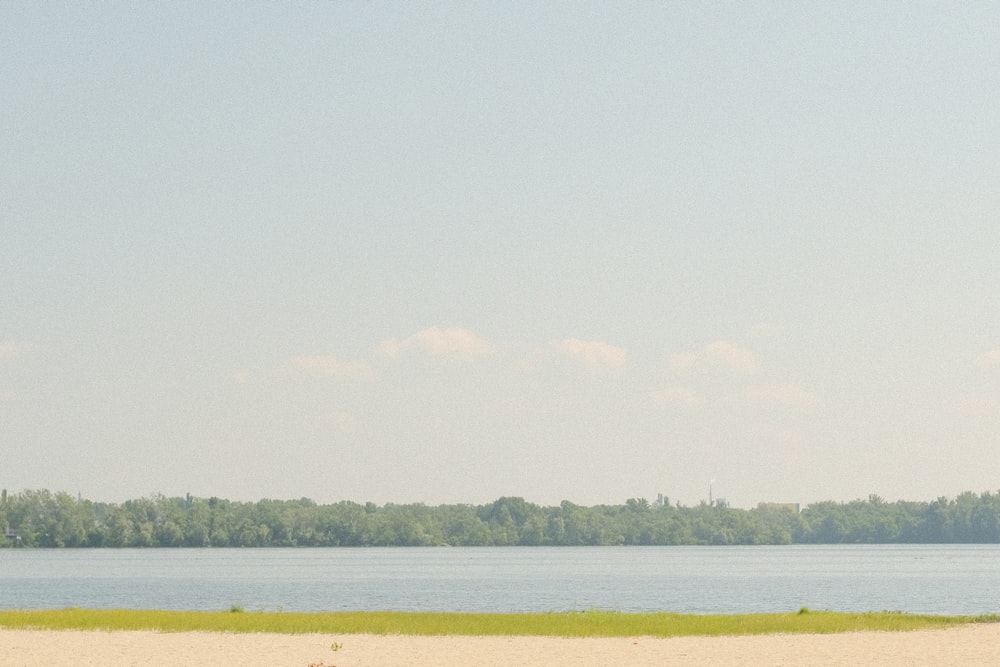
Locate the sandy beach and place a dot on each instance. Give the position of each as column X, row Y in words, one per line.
column 967, row 645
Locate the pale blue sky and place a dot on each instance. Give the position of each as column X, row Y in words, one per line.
column 443, row 252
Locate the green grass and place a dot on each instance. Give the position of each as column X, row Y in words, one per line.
column 560, row 624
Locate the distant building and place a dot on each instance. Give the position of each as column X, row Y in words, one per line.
column 793, row 507
column 661, row 501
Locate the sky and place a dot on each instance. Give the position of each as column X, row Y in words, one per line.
column 446, row 252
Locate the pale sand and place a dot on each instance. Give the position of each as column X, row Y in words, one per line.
column 966, row 645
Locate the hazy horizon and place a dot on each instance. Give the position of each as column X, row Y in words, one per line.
column 444, row 253
column 654, row 500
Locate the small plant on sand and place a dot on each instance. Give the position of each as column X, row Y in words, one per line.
column 335, row 646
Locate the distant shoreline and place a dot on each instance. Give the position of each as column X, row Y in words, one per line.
column 56, row 520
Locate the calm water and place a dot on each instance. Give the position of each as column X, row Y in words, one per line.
column 915, row 578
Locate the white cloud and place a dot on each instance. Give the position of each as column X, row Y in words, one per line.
column 678, row 397
column 337, row 420
column 526, row 364
column 509, row 406
column 989, row 359
column 731, row 356
column 453, row 343
column 329, row 366
column 788, row 395
column 720, row 355
column 765, row 330
column 975, row 403
column 684, row 360
column 594, row 355
column 14, row 348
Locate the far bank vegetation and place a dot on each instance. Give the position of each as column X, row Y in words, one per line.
column 40, row 518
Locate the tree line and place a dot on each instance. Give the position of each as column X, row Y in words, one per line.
column 40, row 518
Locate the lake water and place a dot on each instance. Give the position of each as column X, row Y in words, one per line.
column 951, row 579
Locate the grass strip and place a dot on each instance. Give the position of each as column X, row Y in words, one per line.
column 556, row 624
